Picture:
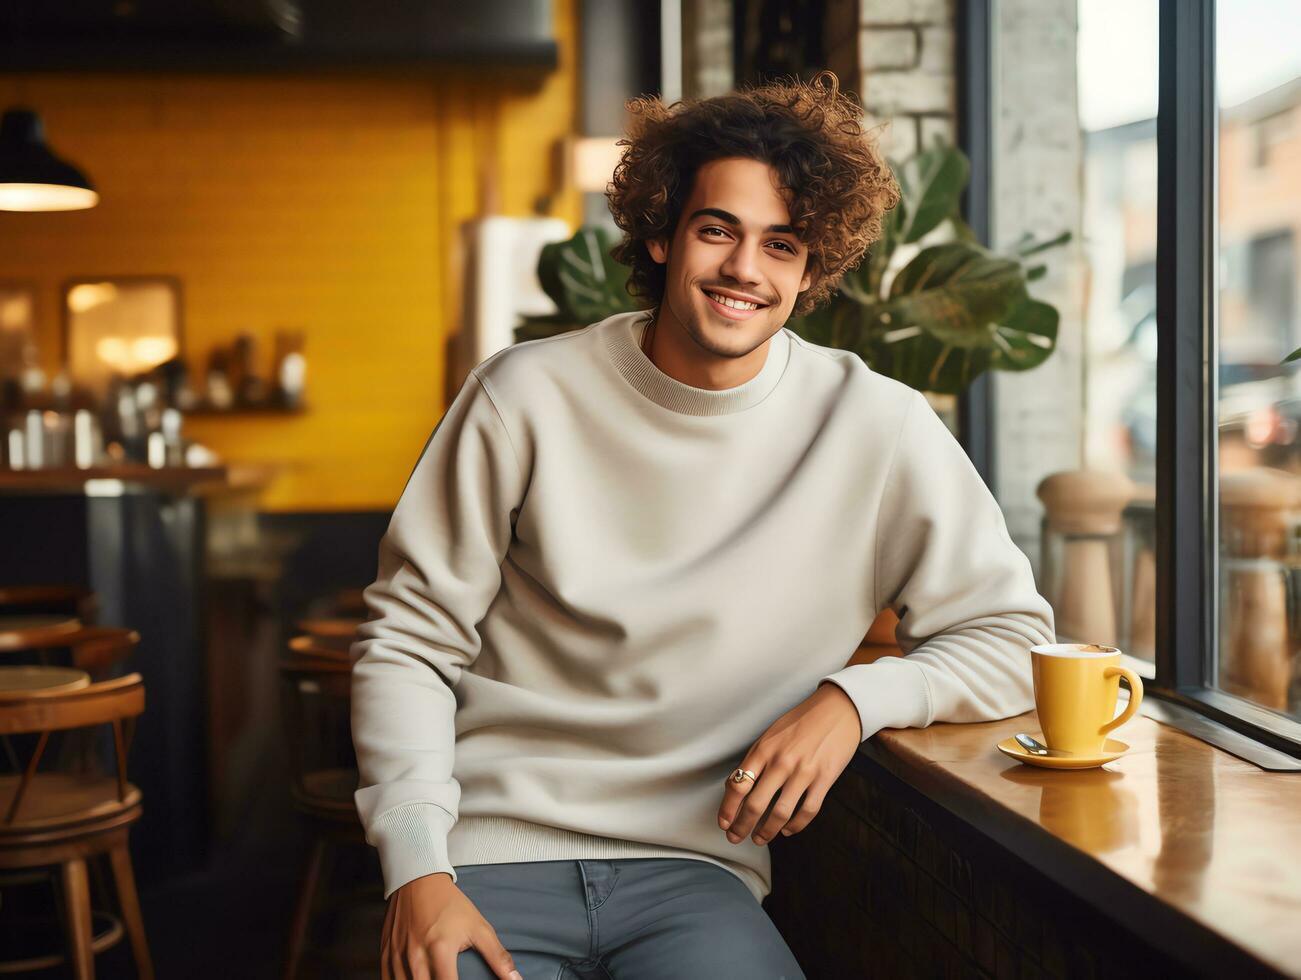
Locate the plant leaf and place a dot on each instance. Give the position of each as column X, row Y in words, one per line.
column 583, row 279
column 923, row 362
column 1027, row 250
column 931, row 185
column 1025, row 337
column 956, row 292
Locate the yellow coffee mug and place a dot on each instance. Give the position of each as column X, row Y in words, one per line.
column 1076, row 686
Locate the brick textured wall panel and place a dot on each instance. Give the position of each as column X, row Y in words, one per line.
column 885, row 48
column 906, row 11
column 1037, row 188
column 894, row 93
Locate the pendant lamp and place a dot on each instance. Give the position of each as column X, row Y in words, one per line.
column 31, row 177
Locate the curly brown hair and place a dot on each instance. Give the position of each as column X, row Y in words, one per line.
column 838, row 185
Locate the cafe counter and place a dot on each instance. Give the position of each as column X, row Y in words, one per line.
column 138, row 537
column 935, row 855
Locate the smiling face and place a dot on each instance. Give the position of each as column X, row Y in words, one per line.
column 733, row 249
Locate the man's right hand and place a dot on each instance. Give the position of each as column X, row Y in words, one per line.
column 428, row 923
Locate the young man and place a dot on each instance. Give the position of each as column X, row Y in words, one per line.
column 606, row 663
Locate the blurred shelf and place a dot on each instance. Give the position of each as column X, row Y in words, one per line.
column 208, row 410
column 66, row 478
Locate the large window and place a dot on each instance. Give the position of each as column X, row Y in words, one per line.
column 1256, row 132
column 1166, row 135
column 1228, row 496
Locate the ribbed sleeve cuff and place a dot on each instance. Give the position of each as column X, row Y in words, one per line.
column 412, row 843
column 889, row 693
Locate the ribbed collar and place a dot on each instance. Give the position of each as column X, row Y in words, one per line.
column 624, row 333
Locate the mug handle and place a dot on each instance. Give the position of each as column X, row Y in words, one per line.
column 1135, row 697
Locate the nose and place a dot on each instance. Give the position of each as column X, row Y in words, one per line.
column 742, row 263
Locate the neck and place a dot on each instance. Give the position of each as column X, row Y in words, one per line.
column 678, row 354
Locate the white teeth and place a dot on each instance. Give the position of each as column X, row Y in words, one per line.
column 735, row 304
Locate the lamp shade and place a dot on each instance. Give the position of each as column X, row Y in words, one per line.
column 31, row 177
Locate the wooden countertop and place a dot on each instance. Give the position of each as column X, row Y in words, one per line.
column 1200, row 831
column 178, row 479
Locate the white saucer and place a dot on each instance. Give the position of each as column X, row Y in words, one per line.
column 1112, row 749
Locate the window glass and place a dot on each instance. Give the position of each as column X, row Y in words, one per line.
column 1258, row 323
column 1116, row 70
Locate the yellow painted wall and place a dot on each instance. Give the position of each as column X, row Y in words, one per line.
column 330, row 203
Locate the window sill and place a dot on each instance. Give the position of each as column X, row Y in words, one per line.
column 1193, row 848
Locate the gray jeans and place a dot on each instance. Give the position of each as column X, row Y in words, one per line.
column 631, row 919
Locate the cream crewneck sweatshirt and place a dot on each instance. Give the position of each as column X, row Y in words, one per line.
column 600, row 586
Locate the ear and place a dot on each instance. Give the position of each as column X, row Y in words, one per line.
column 659, row 250
column 806, row 282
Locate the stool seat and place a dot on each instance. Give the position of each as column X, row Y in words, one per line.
column 328, row 793
column 70, row 818
column 62, row 800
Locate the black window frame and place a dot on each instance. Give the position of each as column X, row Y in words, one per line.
column 1187, row 511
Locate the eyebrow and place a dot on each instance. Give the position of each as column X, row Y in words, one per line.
column 732, row 219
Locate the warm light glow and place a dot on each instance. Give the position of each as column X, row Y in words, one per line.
column 113, row 350
column 89, row 295
column 593, row 159
column 133, row 356
column 15, row 311
column 45, row 197
column 150, row 351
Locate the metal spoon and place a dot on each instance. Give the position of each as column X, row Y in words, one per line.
column 1034, row 746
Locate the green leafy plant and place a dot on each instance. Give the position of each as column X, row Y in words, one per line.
column 954, row 309
column 584, row 282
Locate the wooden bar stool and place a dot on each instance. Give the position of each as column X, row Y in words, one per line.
column 337, row 633
column 314, row 648
column 97, row 650
column 350, row 603
column 24, row 631
column 64, row 818
column 70, row 600
column 317, row 696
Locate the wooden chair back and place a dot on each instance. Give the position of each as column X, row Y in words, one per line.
column 350, row 603
column 314, row 648
column 336, row 633
column 316, row 703
column 118, row 702
column 94, row 649
column 75, row 600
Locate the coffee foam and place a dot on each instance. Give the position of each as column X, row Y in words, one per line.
column 1075, row 650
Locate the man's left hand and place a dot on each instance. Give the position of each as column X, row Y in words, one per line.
column 795, row 762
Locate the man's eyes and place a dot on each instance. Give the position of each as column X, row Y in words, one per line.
column 778, row 241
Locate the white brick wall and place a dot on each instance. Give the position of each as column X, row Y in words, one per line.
column 892, row 93
column 1037, row 188
column 932, row 128
column 938, row 55
column 906, row 12
column 888, row 48
column 905, row 70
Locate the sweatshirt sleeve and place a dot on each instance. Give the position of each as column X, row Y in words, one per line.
column 439, row 569
column 969, row 611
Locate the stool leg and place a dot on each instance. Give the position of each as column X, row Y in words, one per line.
column 303, row 909
column 125, row 880
column 76, row 898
